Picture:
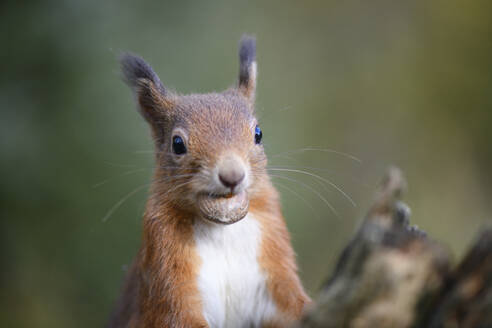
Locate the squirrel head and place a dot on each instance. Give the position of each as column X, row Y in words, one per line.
column 210, row 159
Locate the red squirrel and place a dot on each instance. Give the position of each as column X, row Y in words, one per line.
column 215, row 248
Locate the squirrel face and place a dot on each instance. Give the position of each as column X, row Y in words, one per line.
column 210, row 142
column 208, row 147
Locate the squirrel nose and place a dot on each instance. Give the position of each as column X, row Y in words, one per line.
column 231, row 172
column 231, row 179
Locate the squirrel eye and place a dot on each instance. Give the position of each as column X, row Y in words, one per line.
column 179, row 147
column 258, row 135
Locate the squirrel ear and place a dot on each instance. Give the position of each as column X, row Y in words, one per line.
column 247, row 67
column 153, row 99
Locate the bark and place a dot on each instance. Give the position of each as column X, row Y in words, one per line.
column 391, row 274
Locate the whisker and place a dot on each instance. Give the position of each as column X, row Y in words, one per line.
column 318, row 177
column 299, row 196
column 171, row 177
column 318, row 181
column 176, row 167
column 178, row 186
column 136, row 190
column 325, row 150
column 320, row 169
column 97, row 185
column 119, row 164
column 122, row 200
column 310, row 188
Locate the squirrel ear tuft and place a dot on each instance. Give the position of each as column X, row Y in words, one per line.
column 247, row 67
column 153, row 99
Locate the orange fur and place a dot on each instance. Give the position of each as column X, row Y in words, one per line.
column 165, row 271
column 277, row 257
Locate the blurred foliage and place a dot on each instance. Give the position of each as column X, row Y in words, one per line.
column 408, row 83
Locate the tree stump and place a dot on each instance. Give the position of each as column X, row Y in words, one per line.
column 391, row 274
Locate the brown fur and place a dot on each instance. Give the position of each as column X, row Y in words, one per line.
column 161, row 288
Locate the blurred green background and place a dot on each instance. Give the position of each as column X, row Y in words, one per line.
column 389, row 82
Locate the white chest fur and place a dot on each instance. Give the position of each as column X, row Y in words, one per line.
column 230, row 281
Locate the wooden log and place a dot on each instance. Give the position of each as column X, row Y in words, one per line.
column 391, row 274
column 466, row 297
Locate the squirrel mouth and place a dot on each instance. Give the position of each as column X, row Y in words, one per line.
column 224, row 209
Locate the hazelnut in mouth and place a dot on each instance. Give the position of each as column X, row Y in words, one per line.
column 224, row 209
